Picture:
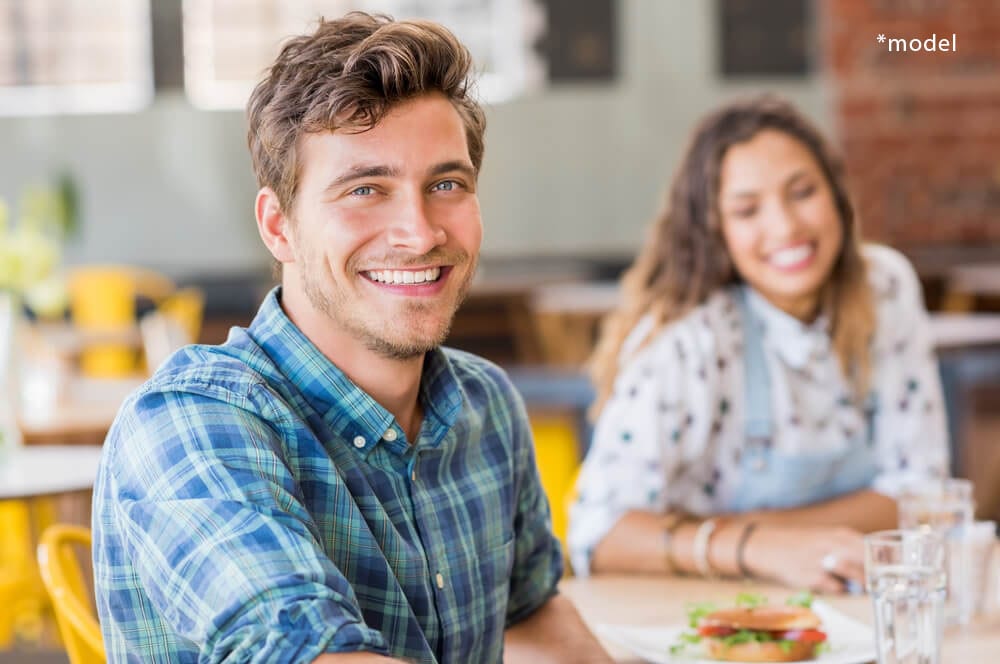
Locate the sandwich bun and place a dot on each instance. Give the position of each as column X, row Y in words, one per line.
column 759, row 652
column 764, row 618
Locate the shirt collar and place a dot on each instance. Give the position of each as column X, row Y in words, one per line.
column 797, row 343
column 350, row 412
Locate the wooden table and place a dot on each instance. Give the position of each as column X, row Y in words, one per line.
column 660, row 601
column 82, row 415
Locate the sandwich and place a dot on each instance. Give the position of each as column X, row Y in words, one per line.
column 754, row 631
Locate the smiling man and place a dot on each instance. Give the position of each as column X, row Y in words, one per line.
column 330, row 485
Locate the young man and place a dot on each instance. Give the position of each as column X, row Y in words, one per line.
column 329, row 485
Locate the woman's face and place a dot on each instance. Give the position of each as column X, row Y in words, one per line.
column 779, row 220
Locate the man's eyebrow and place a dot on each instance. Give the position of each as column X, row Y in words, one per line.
column 361, row 171
column 457, row 165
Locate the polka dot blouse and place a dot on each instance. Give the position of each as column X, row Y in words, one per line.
column 671, row 435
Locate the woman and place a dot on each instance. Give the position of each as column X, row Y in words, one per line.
column 767, row 384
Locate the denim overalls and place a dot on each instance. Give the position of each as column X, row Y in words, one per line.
column 771, row 479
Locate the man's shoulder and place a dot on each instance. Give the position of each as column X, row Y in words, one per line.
column 474, row 371
column 226, row 373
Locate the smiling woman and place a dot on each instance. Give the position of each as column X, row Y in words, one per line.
column 765, row 372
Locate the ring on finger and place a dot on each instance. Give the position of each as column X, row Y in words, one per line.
column 829, row 562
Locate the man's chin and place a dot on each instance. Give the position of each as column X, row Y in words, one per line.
column 406, row 347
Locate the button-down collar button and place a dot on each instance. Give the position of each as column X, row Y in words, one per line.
column 440, row 580
column 390, row 434
column 359, row 441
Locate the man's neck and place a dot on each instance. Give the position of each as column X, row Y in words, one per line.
column 393, row 383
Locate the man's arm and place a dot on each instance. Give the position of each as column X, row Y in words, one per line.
column 355, row 658
column 554, row 633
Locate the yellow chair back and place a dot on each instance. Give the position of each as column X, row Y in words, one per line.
column 58, row 558
column 558, row 456
column 186, row 306
column 102, row 306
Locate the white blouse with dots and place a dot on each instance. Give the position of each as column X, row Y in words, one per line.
column 671, row 434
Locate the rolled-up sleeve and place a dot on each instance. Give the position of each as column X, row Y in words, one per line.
column 538, row 562
column 214, row 527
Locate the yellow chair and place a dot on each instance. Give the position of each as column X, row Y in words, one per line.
column 186, row 306
column 59, row 561
column 558, row 456
column 102, row 306
column 23, row 601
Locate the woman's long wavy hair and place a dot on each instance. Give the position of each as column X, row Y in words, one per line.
column 685, row 258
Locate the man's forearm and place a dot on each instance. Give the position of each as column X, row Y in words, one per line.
column 355, row 658
column 555, row 633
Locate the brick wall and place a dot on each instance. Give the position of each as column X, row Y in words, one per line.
column 920, row 130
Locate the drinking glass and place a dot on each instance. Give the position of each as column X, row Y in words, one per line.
column 905, row 573
column 946, row 507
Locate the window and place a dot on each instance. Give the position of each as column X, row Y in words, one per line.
column 229, row 43
column 74, row 56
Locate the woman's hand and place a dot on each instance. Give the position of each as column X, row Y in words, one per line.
column 822, row 559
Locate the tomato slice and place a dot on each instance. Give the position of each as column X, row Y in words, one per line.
column 804, row 635
column 714, row 630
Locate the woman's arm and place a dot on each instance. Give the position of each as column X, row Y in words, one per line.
column 787, row 546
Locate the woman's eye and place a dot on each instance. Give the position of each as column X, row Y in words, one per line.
column 363, row 191
column 744, row 213
column 804, row 192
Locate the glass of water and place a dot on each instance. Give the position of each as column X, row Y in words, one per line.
column 905, row 573
column 946, row 507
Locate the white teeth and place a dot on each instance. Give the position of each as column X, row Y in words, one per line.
column 791, row 256
column 404, row 277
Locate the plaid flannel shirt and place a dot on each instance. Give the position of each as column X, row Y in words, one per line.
column 254, row 505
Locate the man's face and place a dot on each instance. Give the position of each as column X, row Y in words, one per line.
column 385, row 230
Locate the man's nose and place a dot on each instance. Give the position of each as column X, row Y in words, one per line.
column 413, row 227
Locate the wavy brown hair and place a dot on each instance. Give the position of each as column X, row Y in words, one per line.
column 685, row 258
column 348, row 74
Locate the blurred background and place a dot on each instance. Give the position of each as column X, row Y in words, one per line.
column 127, row 224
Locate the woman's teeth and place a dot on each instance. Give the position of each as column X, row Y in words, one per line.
column 403, row 277
column 791, row 256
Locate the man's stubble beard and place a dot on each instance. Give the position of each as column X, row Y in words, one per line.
column 334, row 306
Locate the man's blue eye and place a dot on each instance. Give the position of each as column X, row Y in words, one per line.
column 447, row 185
column 363, row 191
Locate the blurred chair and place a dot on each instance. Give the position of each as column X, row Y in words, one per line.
column 969, row 283
column 23, row 600
column 557, row 453
column 187, row 307
column 103, row 309
column 175, row 323
column 59, row 554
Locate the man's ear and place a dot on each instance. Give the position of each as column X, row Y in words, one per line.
column 274, row 226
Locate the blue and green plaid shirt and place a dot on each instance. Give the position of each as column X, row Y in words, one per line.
column 254, row 505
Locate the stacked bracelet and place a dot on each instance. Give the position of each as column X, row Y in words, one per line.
column 741, row 549
column 701, row 541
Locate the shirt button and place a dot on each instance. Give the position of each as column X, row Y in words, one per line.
column 390, row 434
column 359, row 441
column 440, row 580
